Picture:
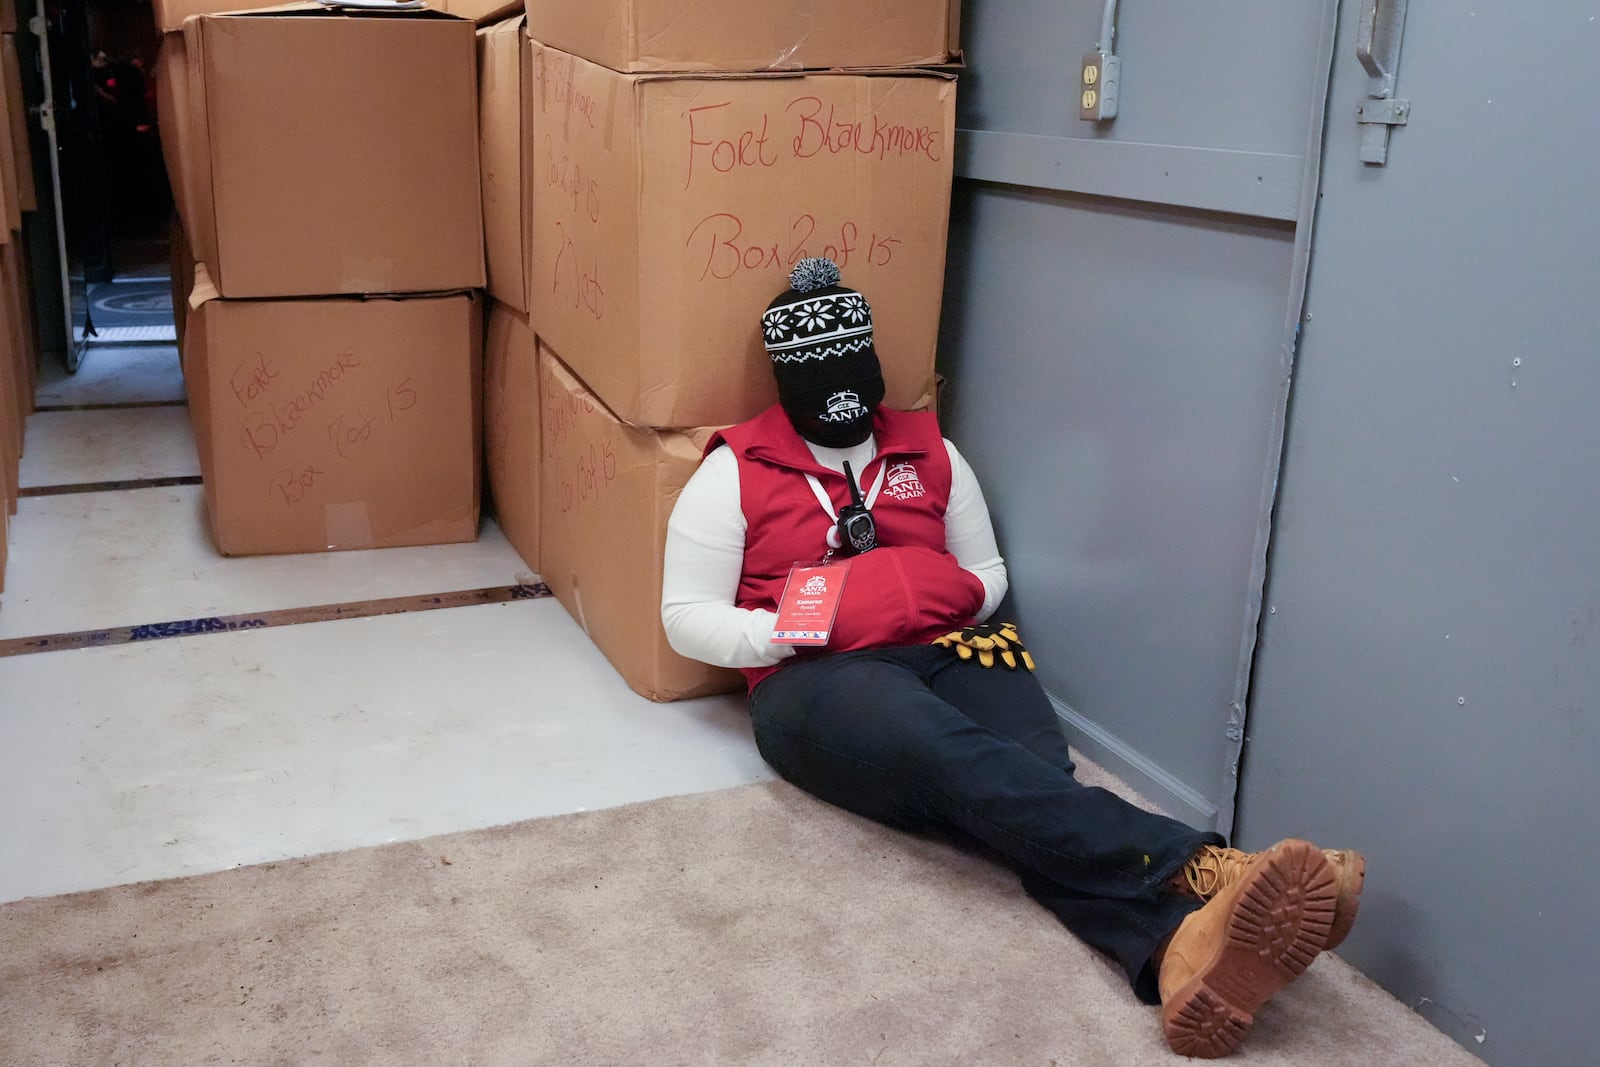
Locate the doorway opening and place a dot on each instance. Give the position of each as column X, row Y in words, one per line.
column 114, row 240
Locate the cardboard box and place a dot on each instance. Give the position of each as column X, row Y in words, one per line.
column 181, row 264
column 483, row 12
column 608, row 491
column 22, row 146
column 8, row 480
column 9, row 177
column 16, row 286
column 171, row 75
column 10, row 433
column 336, row 423
column 503, row 98
column 170, row 14
column 15, row 406
column 5, row 545
column 746, row 35
column 668, row 211
column 511, row 428
column 322, row 151
column 10, row 460
column 10, row 210
column 16, row 396
column 13, row 402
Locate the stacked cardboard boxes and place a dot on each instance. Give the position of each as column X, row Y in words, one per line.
column 18, row 358
column 325, row 167
column 638, row 36
column 678, row 161
column 511, row 376
column 511, row 422
column 607, row 492
column 670, row 216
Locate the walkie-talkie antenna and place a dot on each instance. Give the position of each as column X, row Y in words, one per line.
column 855, row 490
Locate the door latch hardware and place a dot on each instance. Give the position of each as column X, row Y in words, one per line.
column 1378, row 37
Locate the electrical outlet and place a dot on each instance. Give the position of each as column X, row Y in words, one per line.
column 1097, row 88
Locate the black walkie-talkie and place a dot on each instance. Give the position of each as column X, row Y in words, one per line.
column 857, row 532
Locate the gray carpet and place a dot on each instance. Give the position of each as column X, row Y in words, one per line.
column 747, row 926
column 131, row 303
column 125, row 311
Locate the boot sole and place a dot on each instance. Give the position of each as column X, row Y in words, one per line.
column 1276, row 925
column 1350, row 876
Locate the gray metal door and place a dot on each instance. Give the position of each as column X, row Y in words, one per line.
column 1428, row 683
column 38, row 25
column 1120, row 321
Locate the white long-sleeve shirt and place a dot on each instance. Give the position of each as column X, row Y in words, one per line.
column 705, row 557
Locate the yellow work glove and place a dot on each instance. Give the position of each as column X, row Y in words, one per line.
column 989, row 644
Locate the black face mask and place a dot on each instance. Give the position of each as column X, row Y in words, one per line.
column 830, row 402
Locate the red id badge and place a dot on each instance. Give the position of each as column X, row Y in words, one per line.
column 810, row 600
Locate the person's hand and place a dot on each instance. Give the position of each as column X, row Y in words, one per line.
column 988, row 644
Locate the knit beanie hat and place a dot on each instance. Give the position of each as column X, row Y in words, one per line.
column 819, row 336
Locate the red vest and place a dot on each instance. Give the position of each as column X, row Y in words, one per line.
column 908, row 590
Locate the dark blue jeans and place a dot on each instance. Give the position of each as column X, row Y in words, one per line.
column 920, row 740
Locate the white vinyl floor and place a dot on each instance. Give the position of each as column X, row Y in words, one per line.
column 192, row 754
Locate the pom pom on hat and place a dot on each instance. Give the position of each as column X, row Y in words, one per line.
column 817, row 318
column 818, row 335
column 813, row 273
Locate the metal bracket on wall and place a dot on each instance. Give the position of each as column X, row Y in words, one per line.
column 1383, row 23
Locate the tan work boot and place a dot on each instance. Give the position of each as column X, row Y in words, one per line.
column 1255, row 936
column 1214, row 868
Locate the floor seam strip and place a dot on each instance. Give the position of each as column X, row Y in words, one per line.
column 112, row 406
column 356, row 609
column 106, row 487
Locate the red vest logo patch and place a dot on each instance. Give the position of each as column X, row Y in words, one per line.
column 903, row 482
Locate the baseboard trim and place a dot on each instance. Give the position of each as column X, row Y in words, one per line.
column 1138, row 770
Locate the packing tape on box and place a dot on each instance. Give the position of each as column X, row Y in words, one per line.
column 529, row 589
column 347, row 525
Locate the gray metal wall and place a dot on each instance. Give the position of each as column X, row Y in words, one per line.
column 1428, row 674
column 1115, row 337
column 1428, row 682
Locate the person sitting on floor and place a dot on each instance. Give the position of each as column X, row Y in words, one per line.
column 898, row 701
